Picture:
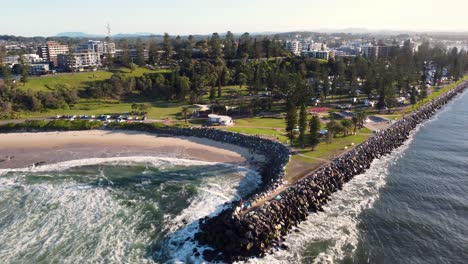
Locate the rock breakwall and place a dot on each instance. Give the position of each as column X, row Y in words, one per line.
column 236, row 235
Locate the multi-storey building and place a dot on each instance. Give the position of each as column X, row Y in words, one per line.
column 52, row 50
column 79, row 61
column 133, row 54
column 294, row 46
column 377, row 51
column 100, row 47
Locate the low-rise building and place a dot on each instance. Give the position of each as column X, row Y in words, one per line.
column 39, row 68
column 317, row 54
column 221, row 120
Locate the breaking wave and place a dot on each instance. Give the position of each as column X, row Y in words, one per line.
column 112, row 210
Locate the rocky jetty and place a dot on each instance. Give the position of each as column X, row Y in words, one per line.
column 236, row 234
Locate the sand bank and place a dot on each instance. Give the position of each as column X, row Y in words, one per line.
column 18, row 150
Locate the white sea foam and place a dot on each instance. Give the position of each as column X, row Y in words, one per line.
column 179, row 245
column 54, row 215
column 336, row 229
column 155, row 161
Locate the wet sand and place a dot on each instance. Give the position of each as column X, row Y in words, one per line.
column 19, row 150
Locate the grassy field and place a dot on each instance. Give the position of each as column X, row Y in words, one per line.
column 329, row 151
column 159, row 110
column 435, row 94
column 261, row 122
column 77, row 80
column 73, row 80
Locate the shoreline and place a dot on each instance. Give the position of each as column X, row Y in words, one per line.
column 21, row 150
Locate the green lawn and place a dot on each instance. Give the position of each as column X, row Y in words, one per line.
column 140, row 71
column 74, row 80
column 273, row 133
column 159, row 110
column 329, row 151
column 261, row 122
column 435, row 94
column 77, row 80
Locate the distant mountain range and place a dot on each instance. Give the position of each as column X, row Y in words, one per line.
column 86, row 35
column 320, row 30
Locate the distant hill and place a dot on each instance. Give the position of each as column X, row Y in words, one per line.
column 78, row 35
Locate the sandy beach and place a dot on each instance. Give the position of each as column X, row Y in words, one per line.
column 19, row 150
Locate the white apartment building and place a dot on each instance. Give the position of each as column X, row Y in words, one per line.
column 79, row 61
column 294, row 46
column 100, row 47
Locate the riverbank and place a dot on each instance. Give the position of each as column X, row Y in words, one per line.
column 19, row 150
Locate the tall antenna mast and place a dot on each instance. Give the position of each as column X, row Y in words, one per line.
column 108, row 31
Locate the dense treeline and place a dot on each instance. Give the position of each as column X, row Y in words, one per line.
column 199, row 68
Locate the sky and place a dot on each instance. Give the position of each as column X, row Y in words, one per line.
column 50, row 17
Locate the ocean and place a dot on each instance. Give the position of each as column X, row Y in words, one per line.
column 112, row 210
column 409, row 207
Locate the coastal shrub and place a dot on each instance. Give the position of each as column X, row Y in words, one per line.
column 54, row 125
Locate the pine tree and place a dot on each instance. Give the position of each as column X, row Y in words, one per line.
column 140, row 50
column 108, row 59
column 153, row 52
column 4, row 68
column 24, row 69
column 215, row 50
column 291, row 119
column 125, row 59
column 314, row 129
column 167, row 47
column 229, row 46
column 302, row 124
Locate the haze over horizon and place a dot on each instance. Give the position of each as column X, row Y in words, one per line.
column 49, row 17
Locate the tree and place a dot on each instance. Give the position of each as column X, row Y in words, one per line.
column 215, row 49
column 333, row 129
column 132, row 66
column 302, row 124
column 71, row 60
column 291, row 119
column 242, row 79
column 347, row 126
column 140, row 51
column 24, row 69
column 314, row 129
column 361, row 117
column 230, row 46
column 167, row 47
column 184, row 113
column 355, row 122
column 125, row 58
column 184, row 83
column 5, row 70
column 108, row 59
column 144, row 108
column 413, row 95
column 153, row 52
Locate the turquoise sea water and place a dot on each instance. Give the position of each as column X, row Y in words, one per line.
column 124, row 210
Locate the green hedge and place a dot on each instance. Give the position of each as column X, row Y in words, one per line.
column 54, row 125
